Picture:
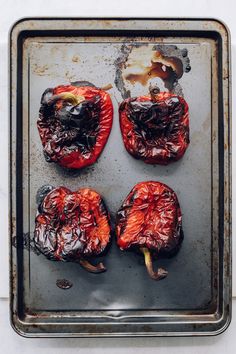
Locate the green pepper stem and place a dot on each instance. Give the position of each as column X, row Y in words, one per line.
column 99, row 268
column 156, row 275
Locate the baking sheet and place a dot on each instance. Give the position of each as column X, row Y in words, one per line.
column 113, row 176
column 190, row 285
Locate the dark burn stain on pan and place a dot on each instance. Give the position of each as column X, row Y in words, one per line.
column 143, row 62
column 27, row 243
column 120, row 63
column 64, row 284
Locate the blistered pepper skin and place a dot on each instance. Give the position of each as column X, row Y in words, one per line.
column 150, row 217
column 71, row 226
column 155, row 130
column 74, row 132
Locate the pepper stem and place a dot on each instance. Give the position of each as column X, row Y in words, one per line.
column 154, row 92
column 70, row 97
column 106, row 87
column 99, row 268
column 156, row 275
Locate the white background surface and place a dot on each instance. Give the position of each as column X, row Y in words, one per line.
column 11, row 11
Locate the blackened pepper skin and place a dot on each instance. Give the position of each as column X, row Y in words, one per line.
column 155, row 128
column 150, row 222
column 74, row 124
column 72, row 226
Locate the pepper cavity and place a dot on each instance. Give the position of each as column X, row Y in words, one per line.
column 155, row 128
column 74, row 124
column 83, row 114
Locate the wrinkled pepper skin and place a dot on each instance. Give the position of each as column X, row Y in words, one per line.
column 155, row 130
column 71, row 226
column 74, row 124
column 150, row 221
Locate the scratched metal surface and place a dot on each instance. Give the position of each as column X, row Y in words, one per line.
column 189, row 287
column 126, row 284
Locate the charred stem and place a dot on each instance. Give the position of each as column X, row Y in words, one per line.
column 154, row 91
column 156, row 275
column 99, row 268
column 106, row 87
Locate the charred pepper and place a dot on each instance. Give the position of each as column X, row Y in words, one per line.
column 74, row 123
column 150, row 221
column 155, row 128
column 72, row 226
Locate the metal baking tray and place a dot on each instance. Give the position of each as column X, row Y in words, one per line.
column 195, row 298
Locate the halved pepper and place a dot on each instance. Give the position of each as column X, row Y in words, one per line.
column 155, row 128
column 74, row 123
column 72, row 226
column 150, row 222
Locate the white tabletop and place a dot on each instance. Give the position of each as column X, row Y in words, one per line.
column 11, row 11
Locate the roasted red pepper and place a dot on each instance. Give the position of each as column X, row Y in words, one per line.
column 150, row 222
column 71, row 226
column 155, row 128
column 74, row 124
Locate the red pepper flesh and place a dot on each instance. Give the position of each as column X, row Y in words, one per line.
column 74, row 124
column 72, row 226
column 150, row 221
column 155, row 129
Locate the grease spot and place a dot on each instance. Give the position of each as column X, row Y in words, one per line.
column 64, row 284
column 25, row 242
column 75, row 59
column 140, row 63
column 41, row 70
